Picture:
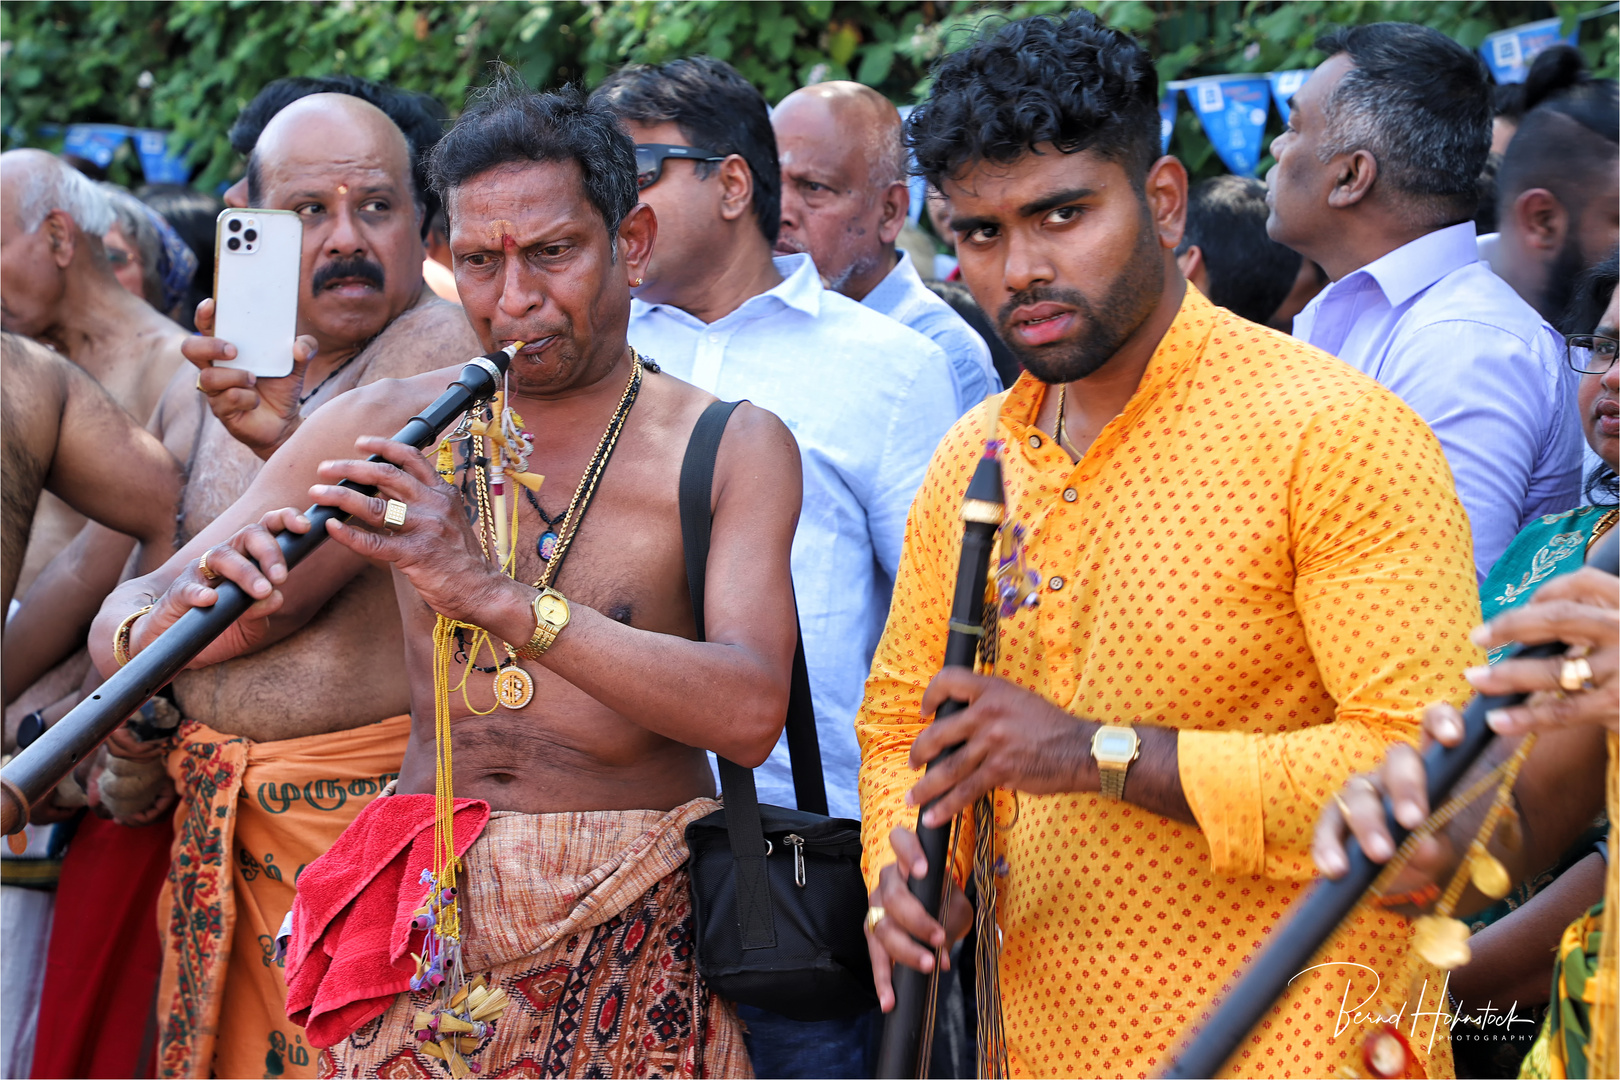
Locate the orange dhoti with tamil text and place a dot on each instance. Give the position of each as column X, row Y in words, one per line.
column 251, row 817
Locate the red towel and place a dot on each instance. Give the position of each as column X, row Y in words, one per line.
column 351, row 922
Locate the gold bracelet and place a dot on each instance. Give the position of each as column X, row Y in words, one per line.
column 121, row 638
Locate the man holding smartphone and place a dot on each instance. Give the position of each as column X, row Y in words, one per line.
column 281, row 749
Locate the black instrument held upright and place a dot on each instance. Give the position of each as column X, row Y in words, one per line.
column 908, row 1030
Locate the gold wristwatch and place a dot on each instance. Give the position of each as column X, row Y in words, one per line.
column 1113, row 748
column 550, row 616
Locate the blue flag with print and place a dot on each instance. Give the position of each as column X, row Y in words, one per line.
column 1510, row 52
column 1233, row 111
column 1284, row 85
column 159, row 163
column 1167, row 117
column 95, row 142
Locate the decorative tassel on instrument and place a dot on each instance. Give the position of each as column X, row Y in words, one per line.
column 1321, row 909
column 907, row 1031
column 39, row 768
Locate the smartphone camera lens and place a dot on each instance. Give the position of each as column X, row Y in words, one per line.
column 233, row 243
column 251, row 235
column 235, row 225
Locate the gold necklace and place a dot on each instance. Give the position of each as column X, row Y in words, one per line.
column 514, row 686
column 1060, row 429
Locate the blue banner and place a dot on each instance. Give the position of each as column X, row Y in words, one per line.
column 161, row 162
column 1284, row 85
column 1233, row 110
column 95, row 143
column 1510, row 52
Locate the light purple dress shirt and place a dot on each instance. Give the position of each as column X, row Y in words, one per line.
column 1457, row 344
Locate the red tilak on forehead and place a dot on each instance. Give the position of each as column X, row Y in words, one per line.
column 501, row 229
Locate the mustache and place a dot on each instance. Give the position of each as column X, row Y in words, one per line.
column 352, row 266
column 1040, row 295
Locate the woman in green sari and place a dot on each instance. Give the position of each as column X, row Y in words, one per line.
column 1512, row 949
column 1557, row 543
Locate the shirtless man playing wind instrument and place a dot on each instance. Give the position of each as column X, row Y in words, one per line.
column 579, row 796
column 281, row 749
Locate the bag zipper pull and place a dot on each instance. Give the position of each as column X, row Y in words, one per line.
column 797, row 843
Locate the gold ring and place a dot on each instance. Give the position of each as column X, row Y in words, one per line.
column 207, row 573
column 1344, row 810
column 200, row 390
column 875, row 915
column 1575, row 674
column 394, row 516
column 1372, row 787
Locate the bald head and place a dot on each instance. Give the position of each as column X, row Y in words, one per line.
column 344, row 168
column 853, row 114
column 311, row 131
column 844, row 195
column 51, row 222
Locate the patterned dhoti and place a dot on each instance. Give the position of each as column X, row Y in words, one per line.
column 251, row 817
column 585, row 920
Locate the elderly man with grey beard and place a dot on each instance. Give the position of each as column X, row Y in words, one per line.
column 845, row 200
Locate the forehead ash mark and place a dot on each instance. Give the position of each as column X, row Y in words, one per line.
column 499, row 232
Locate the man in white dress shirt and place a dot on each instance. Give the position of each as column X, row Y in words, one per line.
column 1374, row 181
column 844, row 201
column 867, row 399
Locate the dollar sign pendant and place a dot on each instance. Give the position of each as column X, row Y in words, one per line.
column 514, row 687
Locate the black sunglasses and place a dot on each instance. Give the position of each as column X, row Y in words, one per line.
column 650, row 160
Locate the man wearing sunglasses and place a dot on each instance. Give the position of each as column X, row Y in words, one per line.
column 867, row 399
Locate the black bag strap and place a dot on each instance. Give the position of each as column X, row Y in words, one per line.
column 743, row 826
column 696, row 494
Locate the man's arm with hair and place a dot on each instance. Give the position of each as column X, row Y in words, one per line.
column 283, row 481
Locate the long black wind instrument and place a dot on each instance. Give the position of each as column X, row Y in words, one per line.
column 908, row 1030
column 1326, row 903
column 40, row 767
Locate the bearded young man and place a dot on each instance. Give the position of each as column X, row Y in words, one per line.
column 1248, row 563
column 592, row 781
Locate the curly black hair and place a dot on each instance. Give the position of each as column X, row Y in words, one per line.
column 1074, row 83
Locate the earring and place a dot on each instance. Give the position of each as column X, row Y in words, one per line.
column 636, row 283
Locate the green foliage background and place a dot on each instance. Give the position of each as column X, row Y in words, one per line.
column 190, row 65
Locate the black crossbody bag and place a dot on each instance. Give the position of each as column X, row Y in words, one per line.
column 777, row 894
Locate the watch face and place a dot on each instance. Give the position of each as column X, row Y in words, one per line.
column 1114, row 745
column 552, row 609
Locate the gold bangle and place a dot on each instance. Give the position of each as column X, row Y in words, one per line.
column 121, row 637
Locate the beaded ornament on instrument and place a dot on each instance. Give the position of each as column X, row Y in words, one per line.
column 1438, row 937
column 464, row 1012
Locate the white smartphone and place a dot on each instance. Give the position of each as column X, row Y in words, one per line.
column 257, row 255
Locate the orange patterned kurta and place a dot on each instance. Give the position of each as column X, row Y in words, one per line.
column 1264, row 551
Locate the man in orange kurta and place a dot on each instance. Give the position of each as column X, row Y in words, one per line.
column 1244, row 551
